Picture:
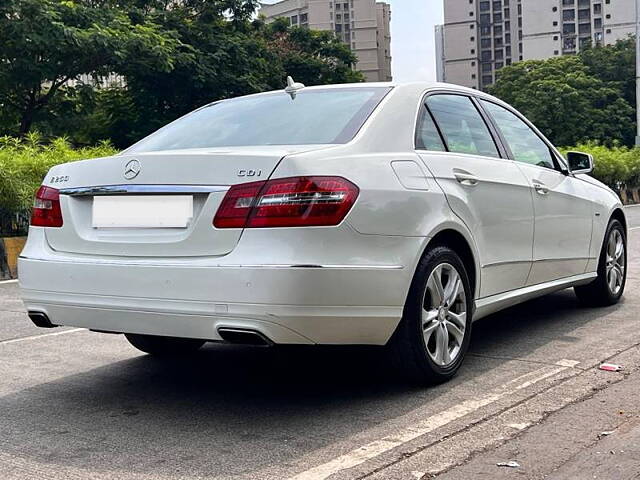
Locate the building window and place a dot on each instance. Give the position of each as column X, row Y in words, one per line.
column 583, row 3
column 497, row 5
column 597, row 8
column 569, row 44
column 486, row 56
column 597, row 22
column 497, row 30
column 568, row 14
column 508, row 61
column 554, row 9
column 507, row 38
column 485, row 43
column 497, row 18
column 338, row 28
column 584, row 28
column 485, row 19
column 471, row 26
column 555, row 38
column 485, row 30
column 498, row 42
column 338, row 17
column 499, row 65
column 608, row 30
column 568, row 2
column 338, row 6
column 507, row 13
column 507, row 51
column 471, row 14
column 584, row 14
column 486, row 67
column 555, row 24
column 473, row 76
column 608, row 16
column 485, row 6
column 487, row 79
column 498, row 54
column 569, row 28
column 473, row 51
column 556, row 52
column 294, row 20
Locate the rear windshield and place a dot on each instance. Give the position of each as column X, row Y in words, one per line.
column 326, row 116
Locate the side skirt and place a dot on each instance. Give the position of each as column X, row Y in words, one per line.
column 487, row 306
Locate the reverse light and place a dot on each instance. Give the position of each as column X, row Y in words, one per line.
column 46, row 208
column 287, row 202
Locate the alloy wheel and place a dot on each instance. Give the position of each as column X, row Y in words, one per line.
column 615, row 265
column 444, row 314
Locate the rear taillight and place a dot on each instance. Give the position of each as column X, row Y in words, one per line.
column 46, row 208
column 287, row 202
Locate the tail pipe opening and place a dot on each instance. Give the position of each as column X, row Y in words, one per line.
column 240, row 336
column 41, row 320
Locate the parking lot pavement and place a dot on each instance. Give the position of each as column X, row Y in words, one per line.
column 77, row 404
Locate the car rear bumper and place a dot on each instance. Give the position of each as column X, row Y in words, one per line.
column 288, row 304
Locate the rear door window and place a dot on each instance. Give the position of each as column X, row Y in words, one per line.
column 462, row 126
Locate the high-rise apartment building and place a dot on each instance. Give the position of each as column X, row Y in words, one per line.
column 361, row 24
column 481, row 36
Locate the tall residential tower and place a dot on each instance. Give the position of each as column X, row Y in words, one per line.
column 480, row 36
column 361, row 24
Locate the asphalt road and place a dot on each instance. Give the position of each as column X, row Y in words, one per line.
column 76, row 404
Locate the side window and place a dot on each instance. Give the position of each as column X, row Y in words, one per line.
column 525, row 144
column 461, row 125
column 427, row 136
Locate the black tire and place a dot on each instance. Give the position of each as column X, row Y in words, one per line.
column 164, row 346
column 598, row 293
column 410, row 351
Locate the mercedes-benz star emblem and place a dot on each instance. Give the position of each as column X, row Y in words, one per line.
column 132, row 169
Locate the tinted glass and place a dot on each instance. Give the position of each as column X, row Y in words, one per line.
column 314, row 117
column 427, row 136
column 525, row 144
column 461, row 125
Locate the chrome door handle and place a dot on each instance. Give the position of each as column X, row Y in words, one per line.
column 541, row 188
column 466, row 179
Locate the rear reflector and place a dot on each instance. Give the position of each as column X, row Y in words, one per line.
column 287, row 202
column 46, row 208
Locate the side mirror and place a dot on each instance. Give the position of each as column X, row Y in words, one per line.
column 580, row 162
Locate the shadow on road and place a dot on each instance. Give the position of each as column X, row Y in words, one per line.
column 230, row 410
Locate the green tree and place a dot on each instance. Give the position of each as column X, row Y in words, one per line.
column 573, row 99
column 46, row 46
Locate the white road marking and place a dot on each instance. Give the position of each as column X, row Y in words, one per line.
column 9, row 281
column 37, row 337
column 377, row 447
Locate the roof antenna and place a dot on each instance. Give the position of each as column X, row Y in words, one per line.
column 293, row 87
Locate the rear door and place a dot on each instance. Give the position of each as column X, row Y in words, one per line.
column 563, row 210
column 487, row 191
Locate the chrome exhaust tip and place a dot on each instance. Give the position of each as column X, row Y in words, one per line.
column 239, row 336
column 41, row 320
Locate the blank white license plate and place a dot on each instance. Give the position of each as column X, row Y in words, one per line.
column 142, row 211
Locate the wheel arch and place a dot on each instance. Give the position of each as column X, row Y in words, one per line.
column 462, row 244
column 619, row 215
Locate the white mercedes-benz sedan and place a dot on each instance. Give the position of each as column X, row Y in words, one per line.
column 378, row 214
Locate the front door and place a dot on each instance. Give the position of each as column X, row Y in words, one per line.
column 563, row 211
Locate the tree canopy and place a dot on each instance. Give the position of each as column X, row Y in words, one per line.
column 170, row 58
column 572, row 99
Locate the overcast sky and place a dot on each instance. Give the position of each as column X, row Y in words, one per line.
column 413, row 39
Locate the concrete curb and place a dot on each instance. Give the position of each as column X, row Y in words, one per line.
column 10, row 248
